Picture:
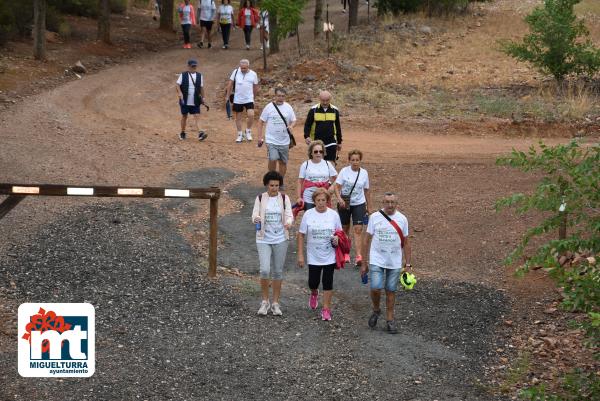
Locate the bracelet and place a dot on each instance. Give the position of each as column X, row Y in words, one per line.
column 408, row 265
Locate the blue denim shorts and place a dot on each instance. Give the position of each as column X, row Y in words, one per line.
column 377, row 275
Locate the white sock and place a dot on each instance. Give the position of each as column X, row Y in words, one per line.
column 248, row 131
column 239, row 133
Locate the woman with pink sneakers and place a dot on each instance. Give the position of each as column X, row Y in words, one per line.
column 187, row 18
column 319, row 225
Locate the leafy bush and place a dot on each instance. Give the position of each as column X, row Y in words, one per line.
column 575, row 386
column 431, row 7
column 569, row 198
column 558, row 43
column 53, row 19
column 7, row 22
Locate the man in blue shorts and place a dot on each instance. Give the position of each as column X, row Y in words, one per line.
column 190, row 89
column 387, row 249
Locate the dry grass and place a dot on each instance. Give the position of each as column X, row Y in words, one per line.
column 588, row 7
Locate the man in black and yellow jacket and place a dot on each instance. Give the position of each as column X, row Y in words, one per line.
column 323, row 122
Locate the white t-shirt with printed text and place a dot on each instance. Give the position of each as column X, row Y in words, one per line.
column 207, row 10
column 244, row 86
column 315, row 172
column 346, row 179
column 191, row 87
column 319, row 228
column 275, row 131
column 274, row 229
column 385, row 246
column 225, row 14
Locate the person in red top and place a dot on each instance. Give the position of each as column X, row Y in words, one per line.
column 248, row 18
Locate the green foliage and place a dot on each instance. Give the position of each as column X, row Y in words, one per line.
column 575, row 386
column 558, row 43
column 431, row 7
column 7, row 22
column 569, row 191
column 288, row 13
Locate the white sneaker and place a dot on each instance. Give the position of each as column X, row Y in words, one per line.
column 276, row 310
column 249, row 136
column 240, row 138
column 264, row 308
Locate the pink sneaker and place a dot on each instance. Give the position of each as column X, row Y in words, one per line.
column 358, row 260
column 313, row 302
column 347, row 258
column 325, row 314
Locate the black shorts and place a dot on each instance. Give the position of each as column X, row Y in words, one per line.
column 206, row 24
column 238, row 108
column 356, row 212
column 331, row 153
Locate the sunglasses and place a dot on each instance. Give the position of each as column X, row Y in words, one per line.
column 317, row 151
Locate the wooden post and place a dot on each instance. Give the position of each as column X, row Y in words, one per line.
column 214, row 230
column 562, row 229
column 104, row 21
column 9, row 203
column 39, row 29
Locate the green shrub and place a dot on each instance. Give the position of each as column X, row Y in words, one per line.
column 558, row 43
column 431, row 7
column 567, row 196
column 7, row 22
column 118, row 6
column 64, row 30
column 53, row 19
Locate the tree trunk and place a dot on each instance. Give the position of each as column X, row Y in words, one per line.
column 352, row 14
column 104, row 21
column 273, row 36
column 39, row 29
column 318, row 18
column 166, row 15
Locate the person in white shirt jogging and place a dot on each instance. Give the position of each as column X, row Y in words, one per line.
column 206, row 11
column 277, row 136
column 387, row 249
column 190, row 90
column 243, row 84
column 226, row 21
column 354, row 199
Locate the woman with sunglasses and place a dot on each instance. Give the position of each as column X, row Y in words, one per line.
column 314, row 173
column 319, row 225
column 352, row 192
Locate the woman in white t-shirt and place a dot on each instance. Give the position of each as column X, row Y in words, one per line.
column 226, row 21
column 319, row 225
column 352, row 192
column 314, row 173
column 272, row 215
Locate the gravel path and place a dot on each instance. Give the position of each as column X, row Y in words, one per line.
column 164, row 331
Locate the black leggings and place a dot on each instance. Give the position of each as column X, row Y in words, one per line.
column 247, row 33
column 225, row 30
column 314, row 276
column 186, row 32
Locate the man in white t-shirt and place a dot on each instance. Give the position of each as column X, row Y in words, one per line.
column 207, row 10
column 243, row 84
column 278, row 131
column 384, row 249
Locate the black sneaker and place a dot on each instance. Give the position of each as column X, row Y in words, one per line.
column 373, row 319
column 209, row 45
column 182, row 135
column 200, row 45
column 392, row 328
column 202, row 136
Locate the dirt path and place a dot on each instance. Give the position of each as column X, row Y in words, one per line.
column 120, row 126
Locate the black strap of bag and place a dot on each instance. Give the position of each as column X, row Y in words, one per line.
column 346, row 198
column 233, row 88
column 196, row 93
column 292, row 139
